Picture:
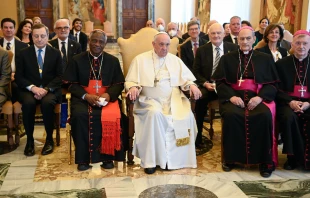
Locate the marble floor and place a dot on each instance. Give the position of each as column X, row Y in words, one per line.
column 52, row 176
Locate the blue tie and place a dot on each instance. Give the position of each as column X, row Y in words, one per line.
column 40, row 62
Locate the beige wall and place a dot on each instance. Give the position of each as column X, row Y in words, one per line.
column 8, row 9
column 163, row 10
column 255, row 16
column 305, row 17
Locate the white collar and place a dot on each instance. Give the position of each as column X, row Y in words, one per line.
column 221, row 46
column 36, row 48
column 66, row 41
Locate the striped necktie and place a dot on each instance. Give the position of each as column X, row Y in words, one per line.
column 217, row 59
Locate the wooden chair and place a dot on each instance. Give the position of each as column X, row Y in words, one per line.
column 142, row 41
column 212, row 106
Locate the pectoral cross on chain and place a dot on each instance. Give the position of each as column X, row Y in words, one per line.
column 240, row 81
column 302, row 90
column 155, row 82
column 97, row 87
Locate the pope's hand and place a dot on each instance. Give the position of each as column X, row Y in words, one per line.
column 133, row 93
column 194, row 91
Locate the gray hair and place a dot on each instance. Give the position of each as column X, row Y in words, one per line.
column 159, row 33
column 235, row 17
column 191, row 23
column 100, row 32
column 63, row 19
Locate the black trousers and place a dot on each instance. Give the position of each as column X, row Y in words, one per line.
column 201, row 110
column 47, row 104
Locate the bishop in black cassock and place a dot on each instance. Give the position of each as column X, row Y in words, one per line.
column 86, row 120
column 246, row 90
column 293, row 102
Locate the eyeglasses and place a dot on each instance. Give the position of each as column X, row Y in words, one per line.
column 36, row 36
column 193, row 29
column 62, row 28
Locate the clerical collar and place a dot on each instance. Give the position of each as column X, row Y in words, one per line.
column 245, row 53
column 95, row 57
column 300, row 59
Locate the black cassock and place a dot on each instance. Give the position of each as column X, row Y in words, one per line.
column 86, row 119
column 295, row 127
column 247, row 135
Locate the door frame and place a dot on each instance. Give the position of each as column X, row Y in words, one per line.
column 21, row 10
column 119, row 15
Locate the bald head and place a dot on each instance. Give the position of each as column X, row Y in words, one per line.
column 160, row 21
column 216, row 34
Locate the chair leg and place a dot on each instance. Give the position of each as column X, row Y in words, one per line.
column 212, row 115
column 69, row 142
column 9, row 122
column 16, row 128
column 57, row 124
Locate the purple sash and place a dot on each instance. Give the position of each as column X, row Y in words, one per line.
column 297, row 92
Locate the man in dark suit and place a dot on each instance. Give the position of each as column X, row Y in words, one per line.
column 8, row 42
column 68, row 47
column 189, row 48
column 186, row 35
column 206, row 61
column 234, row 25
column 38, row 75
column 79, row 36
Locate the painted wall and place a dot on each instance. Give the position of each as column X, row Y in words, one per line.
column 163, row 10
column 8, row 9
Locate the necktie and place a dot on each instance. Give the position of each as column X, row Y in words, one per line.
column 236, row 41
column 76, row 37
column 64, row 53
column 217, row 59
column 195, row 48
column 40, row 62
column 8, row 47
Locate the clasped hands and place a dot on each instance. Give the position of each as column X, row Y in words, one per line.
column 299, row 106
column 38, row 92
column 251, row 104
column 94, row 100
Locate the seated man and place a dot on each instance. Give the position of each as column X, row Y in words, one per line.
column 165, row 127
column 246, row 90
column 293, row 98
column 38, row 75
column 96, row 75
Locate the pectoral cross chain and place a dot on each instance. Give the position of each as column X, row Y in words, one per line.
column 97, row 87
column 302, row 90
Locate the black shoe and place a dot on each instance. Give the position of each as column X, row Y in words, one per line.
column 150, row 170
column 290, row 164
column 83, row 167
column 265, row 170
column 107, row 164
column 48, row 147
column 200, row 146
column 227, row 167
column 29, row 149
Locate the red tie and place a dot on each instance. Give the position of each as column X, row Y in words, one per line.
column 195, row 48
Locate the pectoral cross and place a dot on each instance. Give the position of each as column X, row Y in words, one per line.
column 97, row 87
column 302, row 90
column 155, row 82
column 240, row 81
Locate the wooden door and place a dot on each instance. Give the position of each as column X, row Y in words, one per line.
column 42, row 9
column 135, row 15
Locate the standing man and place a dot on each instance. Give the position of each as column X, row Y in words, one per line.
column 293, row 102
column 94, row 76
column 188, row 49
column 165, row 127
column 68, row 47
column 234, row 25
column 79, row 36
column 205, row 64
column 38, row 75
column 8, row 42
column 246, row 90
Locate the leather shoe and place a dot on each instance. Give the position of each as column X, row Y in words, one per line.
column 289, row 164
column 48, row 147
column 83, row 167
column 227, row 167
column 150, row 170
column 29, row 149
column 107, row 164
column 265, row 170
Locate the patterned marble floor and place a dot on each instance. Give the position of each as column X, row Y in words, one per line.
column 51, row 173
column 52, row 176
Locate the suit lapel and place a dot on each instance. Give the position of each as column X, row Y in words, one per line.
column 33, row 59
column 46, row 59
column 70, row 46
column 209, row 55
column 190, row 50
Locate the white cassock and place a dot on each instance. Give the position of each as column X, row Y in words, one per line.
column 165, row 127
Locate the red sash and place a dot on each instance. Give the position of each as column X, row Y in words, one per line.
column 297, row 92
column 250, row 85
column 110, row 120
